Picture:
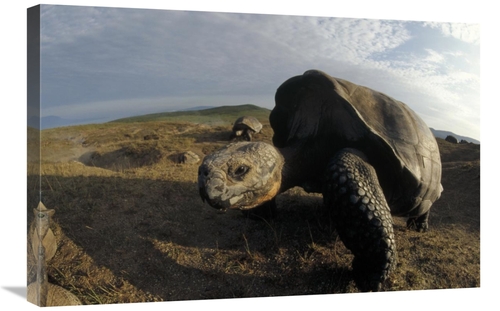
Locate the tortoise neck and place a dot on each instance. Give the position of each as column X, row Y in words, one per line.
column 296, row 168
column 304, row 164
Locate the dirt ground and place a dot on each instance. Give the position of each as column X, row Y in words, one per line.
column 131, row 227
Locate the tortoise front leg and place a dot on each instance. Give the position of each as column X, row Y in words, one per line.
column 362, row 217
column 247, row 135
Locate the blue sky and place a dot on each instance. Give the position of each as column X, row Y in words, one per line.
column 100, row 64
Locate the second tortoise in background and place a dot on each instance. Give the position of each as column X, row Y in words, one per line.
column 245, row 127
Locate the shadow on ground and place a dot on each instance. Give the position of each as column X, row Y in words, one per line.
column 116, row 234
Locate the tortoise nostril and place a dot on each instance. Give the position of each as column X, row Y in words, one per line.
column 203, row 171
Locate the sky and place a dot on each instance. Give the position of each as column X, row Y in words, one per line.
column 100, row 64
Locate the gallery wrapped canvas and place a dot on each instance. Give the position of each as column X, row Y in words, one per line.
column 187, row 155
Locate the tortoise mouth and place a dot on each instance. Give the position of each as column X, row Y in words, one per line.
column 264, row 198
column 213, row 203
column 238, row 205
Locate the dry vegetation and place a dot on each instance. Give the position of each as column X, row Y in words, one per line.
column 131, row 226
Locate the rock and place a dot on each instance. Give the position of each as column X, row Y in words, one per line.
column 451, row 139
column 188, row 157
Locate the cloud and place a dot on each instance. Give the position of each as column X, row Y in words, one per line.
column 206, row 48
column 469, row 33
column 434, row 57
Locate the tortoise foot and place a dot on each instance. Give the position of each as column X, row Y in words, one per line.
column 420, row 224
column 370, row 273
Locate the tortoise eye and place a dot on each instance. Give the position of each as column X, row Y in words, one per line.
column 241, row 170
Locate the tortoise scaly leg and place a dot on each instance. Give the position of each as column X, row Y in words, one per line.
column 362, row 217
column 247, row 135
column 420, row 223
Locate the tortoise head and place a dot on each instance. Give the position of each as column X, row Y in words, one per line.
column 241, row 175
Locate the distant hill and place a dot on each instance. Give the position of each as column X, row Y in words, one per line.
column 228, row 114
column 197, row 108
column 443, row 134
column 223, row 115
column 217, row 115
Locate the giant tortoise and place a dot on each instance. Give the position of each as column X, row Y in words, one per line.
column 368, row 154
column 245, row 126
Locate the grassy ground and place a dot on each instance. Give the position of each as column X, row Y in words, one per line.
column 131, row 226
